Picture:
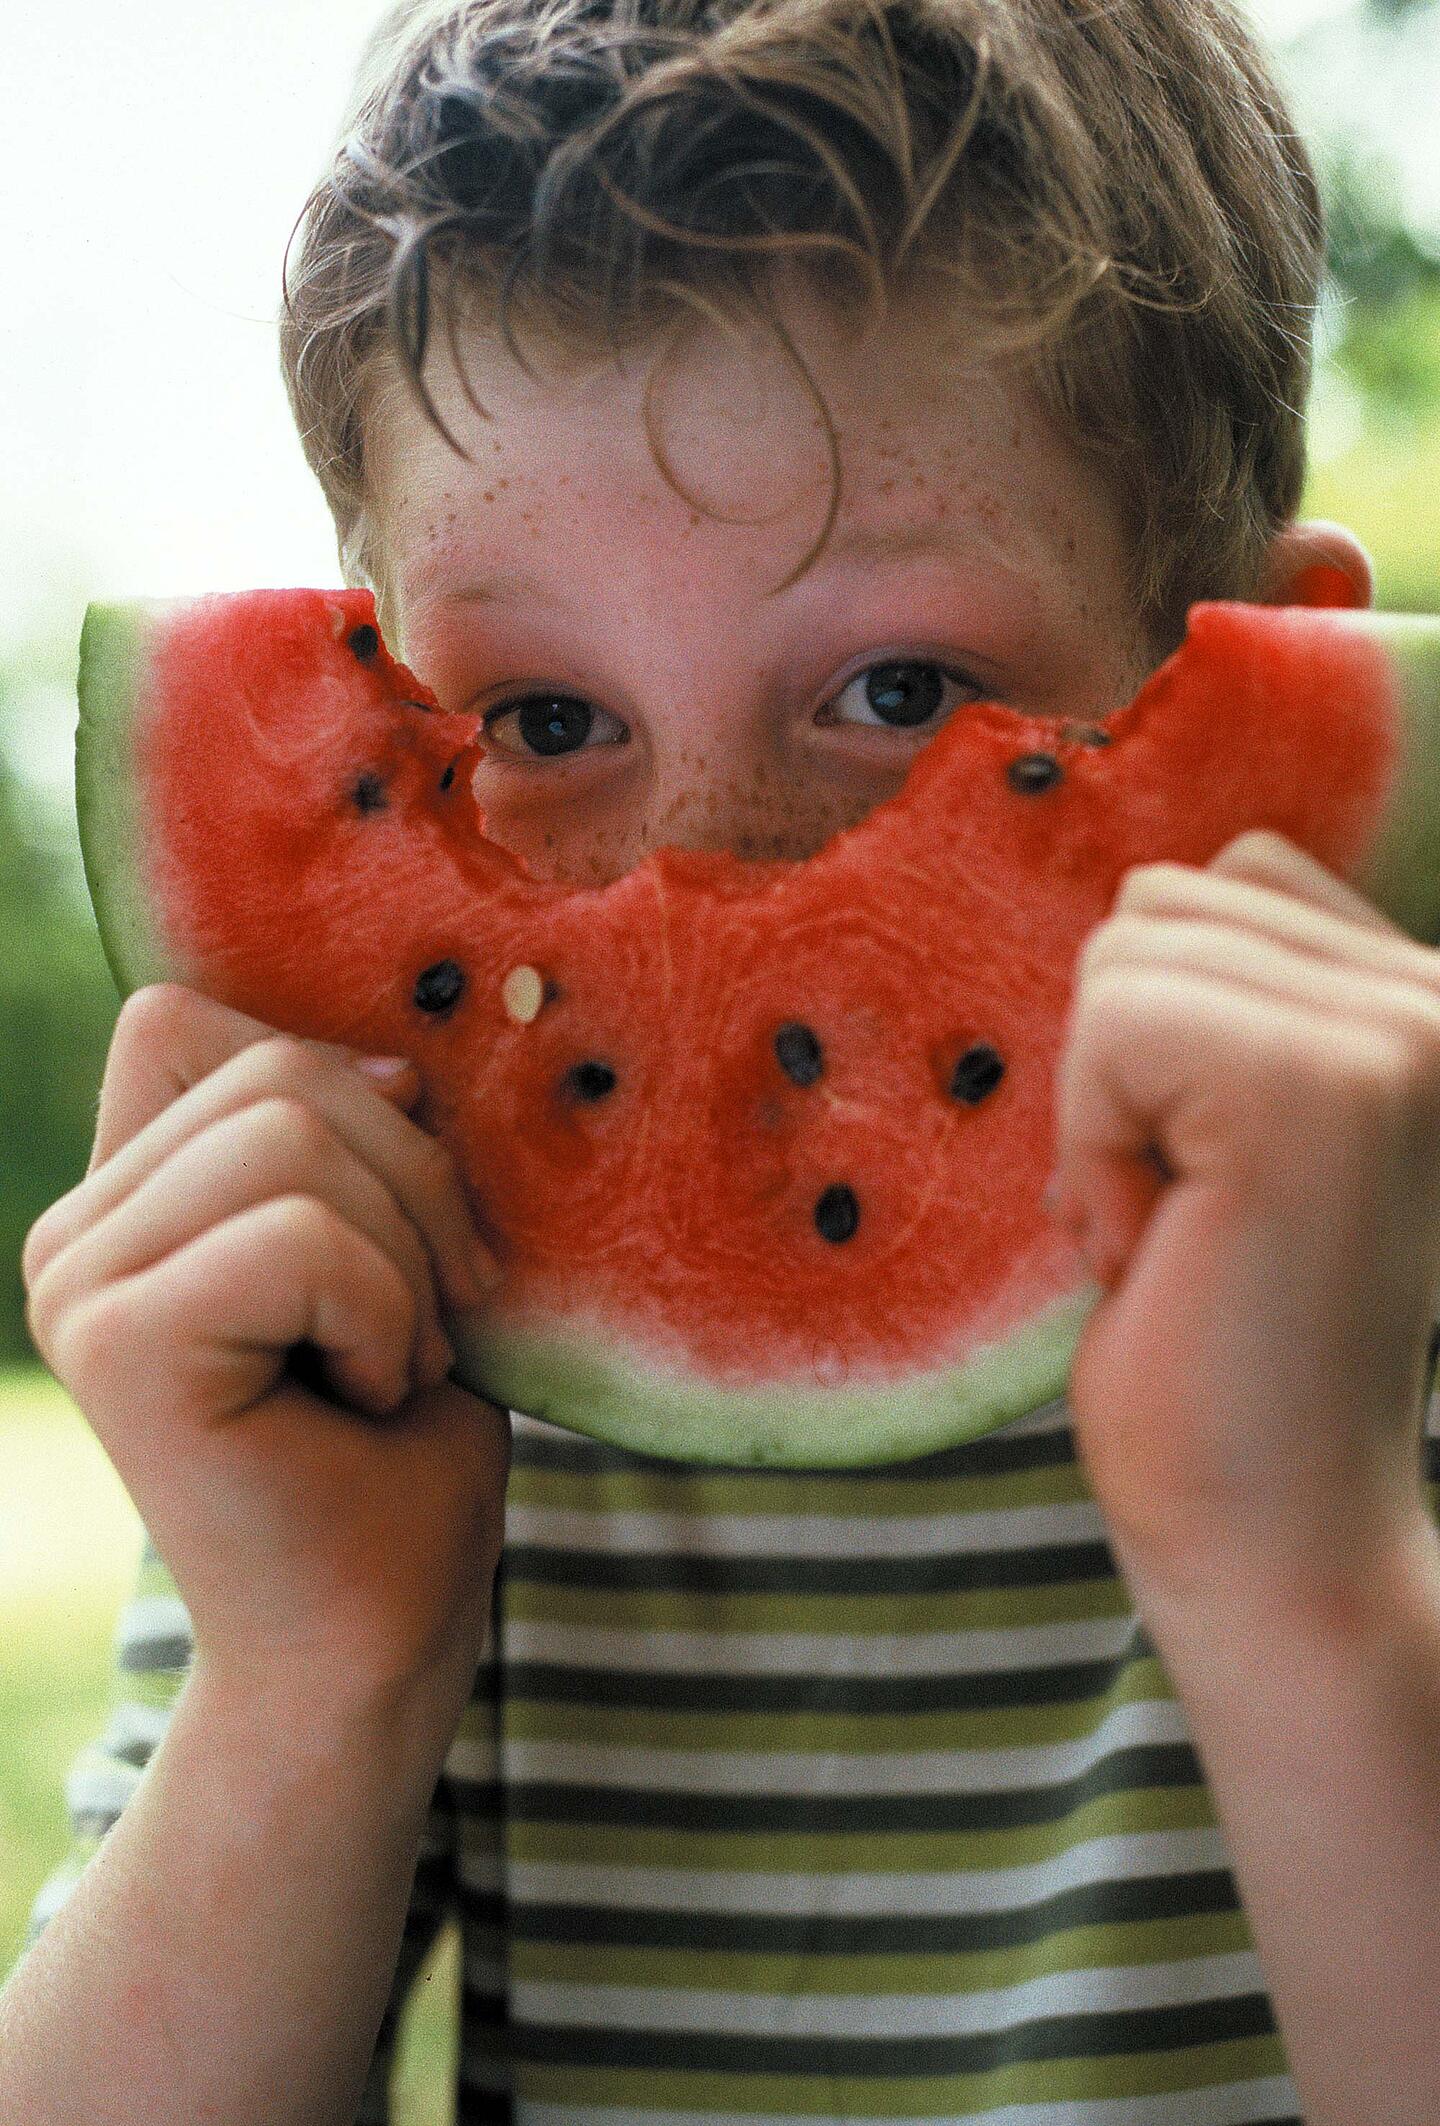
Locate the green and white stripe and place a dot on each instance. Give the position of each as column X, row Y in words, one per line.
column 808, row 1796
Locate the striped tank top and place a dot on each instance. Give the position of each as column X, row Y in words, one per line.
column 806, row 1797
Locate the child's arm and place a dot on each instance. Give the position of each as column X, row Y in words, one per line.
column 1248, row 1400
column 227, row 1952
column 155, row 1654
column 1319, row 1731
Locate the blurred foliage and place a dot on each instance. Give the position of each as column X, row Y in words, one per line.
column 1392, row 353
column 1386, row 487
column 1385, row 292
column 1375, row 416
column 1383, row 300
column 57, row 1008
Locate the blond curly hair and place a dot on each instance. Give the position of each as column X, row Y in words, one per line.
column 1112, row 193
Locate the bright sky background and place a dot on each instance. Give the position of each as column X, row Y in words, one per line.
column 155, row 155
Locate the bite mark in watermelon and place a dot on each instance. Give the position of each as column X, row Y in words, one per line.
column 760, row 1146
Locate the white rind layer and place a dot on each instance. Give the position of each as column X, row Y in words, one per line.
column 608, row 1390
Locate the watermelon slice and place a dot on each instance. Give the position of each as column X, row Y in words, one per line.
column 760, row 1147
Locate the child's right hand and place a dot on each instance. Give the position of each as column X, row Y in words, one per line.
column 247, row 1191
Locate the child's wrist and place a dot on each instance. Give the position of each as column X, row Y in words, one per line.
column 1229, row 1627
column 398, row 1728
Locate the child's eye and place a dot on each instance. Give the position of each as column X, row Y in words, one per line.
column 903, row 693
column 548, row 725
column 900, row 694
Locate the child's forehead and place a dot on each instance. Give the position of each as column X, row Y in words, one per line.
column 925, row 436
column 905, row 388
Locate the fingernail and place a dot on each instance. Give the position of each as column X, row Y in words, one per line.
column 386, row 1068
column 478, row 1276
column 1059, row 1202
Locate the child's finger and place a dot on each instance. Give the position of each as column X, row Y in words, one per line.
column 1271, row 860
column 167, row 1039
column 417, row 1169
column 275, row 1148
column 227, row 1307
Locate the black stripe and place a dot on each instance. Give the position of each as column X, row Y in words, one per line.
column 880, row 1697
column 93, row 1823
column 939, row 1572
column 1059, row 2037
column 142, row 1654
column 433, row 1886
column 481, row 2107
column 569, row 1454
column 1148, row 1765
column 491, row 2010
column 136, row 1753
column 1154, row 1897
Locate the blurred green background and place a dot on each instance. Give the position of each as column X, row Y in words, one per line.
column 69, row 1539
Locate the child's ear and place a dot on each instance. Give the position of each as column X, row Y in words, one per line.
column 1317, row 563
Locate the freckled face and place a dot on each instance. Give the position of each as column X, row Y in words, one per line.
column 645, row 673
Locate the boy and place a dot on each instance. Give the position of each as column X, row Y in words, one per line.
column 782, row 1795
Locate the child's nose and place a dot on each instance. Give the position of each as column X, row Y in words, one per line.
column 756, row 807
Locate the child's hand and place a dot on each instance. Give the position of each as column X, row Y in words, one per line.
column 248, row 1191
column 1249, row 1124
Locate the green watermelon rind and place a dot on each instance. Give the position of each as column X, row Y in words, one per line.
column 610, row 1394
column 114, row 670
column 1401, row 875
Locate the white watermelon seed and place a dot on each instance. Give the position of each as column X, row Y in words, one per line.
column 522, row 993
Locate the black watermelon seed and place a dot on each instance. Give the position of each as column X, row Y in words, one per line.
column 590, row 1081
column 440, row 987
column 449, row 776
column 365, row 643
column 370, row 794
column 798, row 1052
column 978, row 1072
column 1034, row 772
column 837, row 1213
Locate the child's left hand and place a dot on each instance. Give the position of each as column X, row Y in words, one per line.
column 1248, row 1117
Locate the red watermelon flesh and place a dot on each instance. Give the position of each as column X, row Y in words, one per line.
column 760, row 1147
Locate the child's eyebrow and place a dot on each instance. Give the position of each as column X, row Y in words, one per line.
column 503, row 586
column 897, row 542
column 872, row 544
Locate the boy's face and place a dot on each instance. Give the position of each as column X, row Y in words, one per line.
column 643, row 678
